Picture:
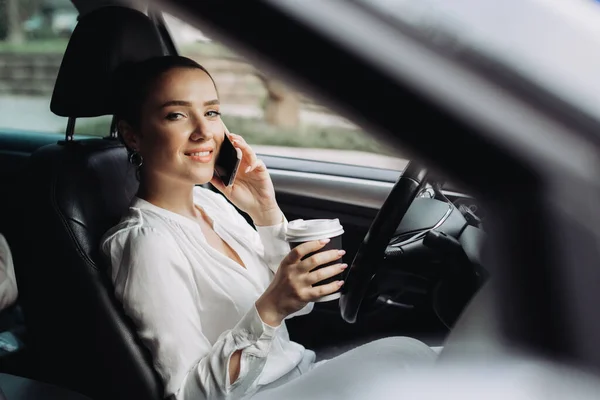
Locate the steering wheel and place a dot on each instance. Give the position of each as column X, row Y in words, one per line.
column 372, row 250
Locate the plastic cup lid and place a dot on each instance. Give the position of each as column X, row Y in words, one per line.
column 314, row 229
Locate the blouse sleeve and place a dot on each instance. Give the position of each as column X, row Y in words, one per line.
column 155, row 285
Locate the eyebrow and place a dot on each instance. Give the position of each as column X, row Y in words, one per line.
column 188, row 104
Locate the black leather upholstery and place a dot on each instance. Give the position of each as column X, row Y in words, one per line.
column 75, row 192
column 102, row 40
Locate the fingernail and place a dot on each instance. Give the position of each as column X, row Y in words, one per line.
column 344, row 266
column 341, row 252
column 324, row 241
column 340, row 283
column 248, row 169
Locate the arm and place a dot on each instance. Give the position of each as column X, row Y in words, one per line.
column 8, row 282
column 157, row 290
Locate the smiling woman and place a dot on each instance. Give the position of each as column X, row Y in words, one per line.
column 208, row 294
column 168, row 117
column 155, row 125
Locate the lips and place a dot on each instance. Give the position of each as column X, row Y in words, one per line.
column 200, row 155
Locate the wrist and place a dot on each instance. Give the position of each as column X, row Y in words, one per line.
column 269, row 217
column 268, row 313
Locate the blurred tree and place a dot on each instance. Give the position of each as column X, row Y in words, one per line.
column 282, row 105
column 14, row 32
column 12, row 15
column 3, row 19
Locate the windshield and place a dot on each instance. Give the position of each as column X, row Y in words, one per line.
column 553, row 43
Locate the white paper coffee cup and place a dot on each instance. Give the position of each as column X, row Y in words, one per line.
column 300, row 231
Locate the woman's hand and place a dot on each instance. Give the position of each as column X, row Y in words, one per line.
column 291, row 288
column 252, row 190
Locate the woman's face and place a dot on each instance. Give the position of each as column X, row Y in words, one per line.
column 180, row 130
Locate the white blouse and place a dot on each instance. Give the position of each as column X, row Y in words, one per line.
column 193, row 307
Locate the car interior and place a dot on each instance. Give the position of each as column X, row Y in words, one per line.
column 414, row 239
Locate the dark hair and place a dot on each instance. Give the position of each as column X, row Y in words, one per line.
column 132, row 83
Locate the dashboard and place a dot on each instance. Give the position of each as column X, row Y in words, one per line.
column 463, row 202
column 436, row 252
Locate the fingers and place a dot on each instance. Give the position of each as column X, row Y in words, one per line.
column 325, row 273
column 239, row 138
column 324, row 257
column 247, row 151
column 225, row 127
column 240, row 143
column 259, row 166
column 303, row 249
column 317, row 292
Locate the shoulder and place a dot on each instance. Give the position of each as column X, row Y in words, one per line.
column 139, row 253
column 139, row 232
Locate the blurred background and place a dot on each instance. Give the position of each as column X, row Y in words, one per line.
column 276, row 120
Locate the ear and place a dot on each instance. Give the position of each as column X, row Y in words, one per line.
column 129, row 135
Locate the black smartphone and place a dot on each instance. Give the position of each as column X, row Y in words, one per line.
column 228, row 162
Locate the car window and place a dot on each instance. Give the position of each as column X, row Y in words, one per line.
column 271, row 116
column 33, row 39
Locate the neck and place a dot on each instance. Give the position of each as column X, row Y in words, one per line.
column 169, row 194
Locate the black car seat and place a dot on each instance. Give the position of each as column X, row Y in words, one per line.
column 74, row 191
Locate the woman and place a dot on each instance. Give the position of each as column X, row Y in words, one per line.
column 207, row 293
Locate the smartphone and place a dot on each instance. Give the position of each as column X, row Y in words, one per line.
column 228, row 162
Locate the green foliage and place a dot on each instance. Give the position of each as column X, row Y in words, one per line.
column 257, row 131
column 50, row 46
column 26, row 8
column 99, row 126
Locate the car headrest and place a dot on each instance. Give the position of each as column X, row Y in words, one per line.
column 102, row 40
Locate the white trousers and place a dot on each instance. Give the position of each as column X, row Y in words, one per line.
column 350, row 374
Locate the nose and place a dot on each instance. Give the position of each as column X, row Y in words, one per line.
column 201, row 130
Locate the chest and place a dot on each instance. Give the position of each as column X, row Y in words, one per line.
column 218, row 243
column 225, row 263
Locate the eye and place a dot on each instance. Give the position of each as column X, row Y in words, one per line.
column 175, row 116
column 212, row 114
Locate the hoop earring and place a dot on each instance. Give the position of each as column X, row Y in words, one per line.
column 136, row 159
